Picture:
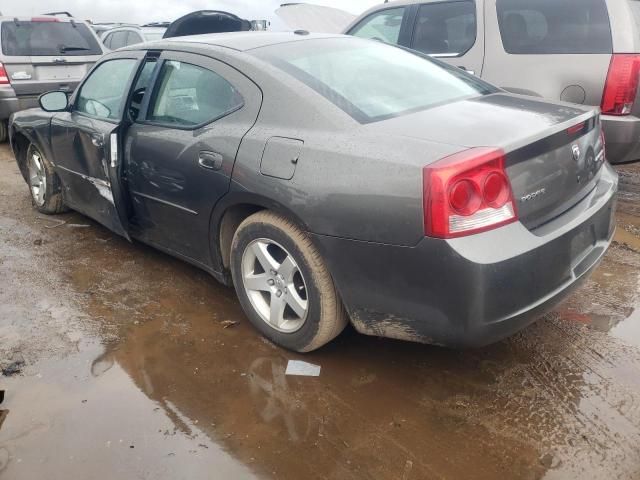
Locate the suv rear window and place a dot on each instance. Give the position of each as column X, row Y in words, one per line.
column 553, row 26
column 47, row 38
column 371, row 80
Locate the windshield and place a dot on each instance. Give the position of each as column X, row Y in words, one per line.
column 21, row 38
column 370, row 80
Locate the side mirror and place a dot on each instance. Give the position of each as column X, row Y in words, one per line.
column 54, row 101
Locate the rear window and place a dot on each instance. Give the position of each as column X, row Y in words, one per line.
column 370, row 80
column 47, row 38
column 553, row 26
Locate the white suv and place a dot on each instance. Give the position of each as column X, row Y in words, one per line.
column 580, row 51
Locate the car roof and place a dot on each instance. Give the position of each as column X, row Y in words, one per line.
column 123, row 27
column 243, row 41
column 59, row 18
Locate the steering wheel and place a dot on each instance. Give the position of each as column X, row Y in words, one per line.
column 136, row 102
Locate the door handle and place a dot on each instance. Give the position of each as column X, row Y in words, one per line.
column 210, row 160
column 461, row 67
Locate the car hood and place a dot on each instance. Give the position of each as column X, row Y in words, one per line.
column 314, row 18
column 207, row 21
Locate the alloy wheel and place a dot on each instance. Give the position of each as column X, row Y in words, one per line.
column 37, row 178
column 275, row 286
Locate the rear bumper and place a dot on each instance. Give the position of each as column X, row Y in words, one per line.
column 10, row 103
column 622, row 137
column 472, row 291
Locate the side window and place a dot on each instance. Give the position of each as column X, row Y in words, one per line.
column 445, row 28
column 107, row 40
column 119, row 39
column 550, row 26
column 133, row 38
column 187, row 95
column 384, row 25
column 102, row 93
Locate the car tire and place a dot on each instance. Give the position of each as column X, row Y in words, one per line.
column 266, row 238
column 3, row 131
column 44, row 184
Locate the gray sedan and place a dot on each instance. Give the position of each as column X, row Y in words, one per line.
column 332, row 179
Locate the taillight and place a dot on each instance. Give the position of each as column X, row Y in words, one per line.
column 468, row 192
column 622, row 84
column 4, row 78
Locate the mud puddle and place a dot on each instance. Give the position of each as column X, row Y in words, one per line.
column 130, row 372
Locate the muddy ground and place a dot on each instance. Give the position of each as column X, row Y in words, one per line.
column 118, row 364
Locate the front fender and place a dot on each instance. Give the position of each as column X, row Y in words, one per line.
column 34, row 126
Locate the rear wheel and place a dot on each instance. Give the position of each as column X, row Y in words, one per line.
column 44, row 186
column 283, row 285
column 3, row 131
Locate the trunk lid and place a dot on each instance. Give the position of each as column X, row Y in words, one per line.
column 553, row 151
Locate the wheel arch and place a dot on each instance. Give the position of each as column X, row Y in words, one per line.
column 20, row 144
column 227, row 216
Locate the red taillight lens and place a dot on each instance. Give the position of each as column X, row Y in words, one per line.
column 467, row 193
column 496, row 191
column 4, row 78
column 622, row 84
column 464, row 197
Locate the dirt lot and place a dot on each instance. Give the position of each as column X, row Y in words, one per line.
column 118, row 364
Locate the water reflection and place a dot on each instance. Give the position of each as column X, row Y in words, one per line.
column 628, row 330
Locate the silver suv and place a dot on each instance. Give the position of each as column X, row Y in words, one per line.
column 130, row 35
column 581, row 51
column 40, row 54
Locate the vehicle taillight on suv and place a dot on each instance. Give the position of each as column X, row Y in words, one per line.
column 622, row 84
column 4, row 78
column 466, row 193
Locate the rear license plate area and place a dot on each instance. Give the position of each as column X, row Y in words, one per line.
column 60, row 72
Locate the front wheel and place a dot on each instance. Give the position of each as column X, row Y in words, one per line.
column 44, row 185
column 283, row 285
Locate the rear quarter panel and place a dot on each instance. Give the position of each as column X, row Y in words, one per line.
column 348, row 181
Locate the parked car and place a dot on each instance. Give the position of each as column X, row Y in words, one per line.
column 40, row 54
column 194, row 23
column 325, row 175
column 101, row 28
column 130, row 35
column 581, row 51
